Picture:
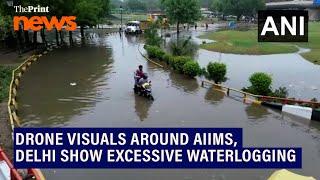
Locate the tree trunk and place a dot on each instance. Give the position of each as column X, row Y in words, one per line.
column 82, row 32
column 43, row 37
column 178, row 30
column 19, row 38
column 61, row 38
column 57, row 37
column 26, row 37
column 70, row 38
column 238, row 17
column 35, row 38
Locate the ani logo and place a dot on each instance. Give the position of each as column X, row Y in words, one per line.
column 283, row 26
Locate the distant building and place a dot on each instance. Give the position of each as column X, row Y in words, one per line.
column 312, row 6
column 154, row 16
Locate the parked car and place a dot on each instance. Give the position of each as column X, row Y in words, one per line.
column 133, row 27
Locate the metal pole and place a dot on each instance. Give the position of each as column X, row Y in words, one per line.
column 121, row 17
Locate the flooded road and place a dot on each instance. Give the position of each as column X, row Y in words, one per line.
column 91, row 86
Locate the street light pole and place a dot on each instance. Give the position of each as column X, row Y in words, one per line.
column 121, row 17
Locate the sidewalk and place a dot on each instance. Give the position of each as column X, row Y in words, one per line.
column 6, row 142
column 11, row 58
column 8, row 58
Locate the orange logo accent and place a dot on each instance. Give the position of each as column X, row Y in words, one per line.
column 36, row 23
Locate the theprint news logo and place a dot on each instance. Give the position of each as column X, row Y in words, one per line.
column 36, row 23
column 283, row 26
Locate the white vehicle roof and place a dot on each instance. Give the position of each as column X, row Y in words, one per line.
column 134, row 22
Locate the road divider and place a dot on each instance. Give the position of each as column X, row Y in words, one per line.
column 311, row 113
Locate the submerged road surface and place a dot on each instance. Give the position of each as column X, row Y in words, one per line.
column 91, row 86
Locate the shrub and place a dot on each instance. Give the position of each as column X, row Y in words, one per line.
column 155, row 52
column 217, row 71
column 179, row 61
column 159, row 54
column 5, row 79
column 183, row 47
column 167, row 58
column 260, row 84
column 191, row 68
column 150, row 50
column 282, row 92
column 203, row 72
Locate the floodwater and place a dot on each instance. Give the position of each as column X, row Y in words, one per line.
column 292, row 71
column 91, row 86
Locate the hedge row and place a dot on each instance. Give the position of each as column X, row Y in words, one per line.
column 5, row 79
column 182, row 64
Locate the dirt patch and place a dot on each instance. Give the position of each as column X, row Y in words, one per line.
column 6, row 142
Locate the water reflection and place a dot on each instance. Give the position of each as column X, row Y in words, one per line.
column 180, row 81
column 133, row 39
column 315, row 125
column 142, row 106
column 63, row 95
column 213, row 96
column 256, row 112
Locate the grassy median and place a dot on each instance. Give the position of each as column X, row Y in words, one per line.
column 313, row 44
column 5, row 79
column 245, row 42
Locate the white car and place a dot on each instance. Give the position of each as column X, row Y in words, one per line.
column 133, row 27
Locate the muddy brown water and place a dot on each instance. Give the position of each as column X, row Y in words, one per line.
column 91, row 86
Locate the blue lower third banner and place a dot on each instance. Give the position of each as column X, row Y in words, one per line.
column 145, row 148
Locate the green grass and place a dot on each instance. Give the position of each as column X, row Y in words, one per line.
column 313, row 44
column 130, row 17
column 245, row 42
column 5, row 79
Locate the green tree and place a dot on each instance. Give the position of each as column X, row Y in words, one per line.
column 114, row 4
column 183, row 47
column 61, row 8
column 136, row 5
column 238, row 7
column 152, row 5
column 87, row 12
column 152, row 36
column 182, row 11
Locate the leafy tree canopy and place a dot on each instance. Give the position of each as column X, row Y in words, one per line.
column 237, row 7
column 136, row 5
column 182, row 11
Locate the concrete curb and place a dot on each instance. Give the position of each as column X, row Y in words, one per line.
column 300, row 111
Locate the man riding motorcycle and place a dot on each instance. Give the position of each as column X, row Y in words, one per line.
column 143, row 86
column 143, row 81
column 138, row 74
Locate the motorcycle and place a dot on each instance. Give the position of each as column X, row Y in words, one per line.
column 144, row 90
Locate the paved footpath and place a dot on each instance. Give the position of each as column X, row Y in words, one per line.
column 8, row 58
